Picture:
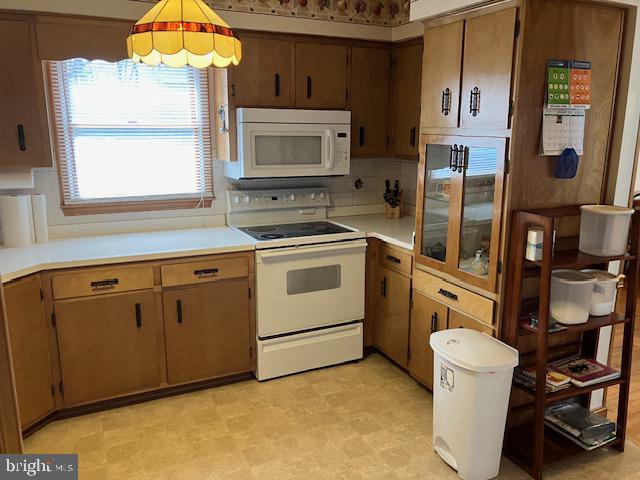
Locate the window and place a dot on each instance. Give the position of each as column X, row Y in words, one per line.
column 130, row 136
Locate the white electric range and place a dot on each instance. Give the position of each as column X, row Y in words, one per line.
column 310, row 276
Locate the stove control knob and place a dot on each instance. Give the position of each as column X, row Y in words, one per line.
column 292, row 197
column 321, row 195
column 247, row 199
column 313, row 195
column 236, row 200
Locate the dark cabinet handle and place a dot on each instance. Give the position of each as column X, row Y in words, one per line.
column 434, row 322
column 412, row 137
column 277, row 84
column 109, row 283
column 446, row 101
column 22, row 143
column 383, row 287
column 308, row 87
column 179, row 310
column 205, row 272
column 393, row 259
column 448, row 294
column 138, row 315
column 474, row 102
column 361, row 141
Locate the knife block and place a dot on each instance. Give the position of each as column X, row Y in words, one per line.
column 393, row 212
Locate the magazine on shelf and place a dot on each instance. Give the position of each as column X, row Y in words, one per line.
column 584, row 371
column 577, row 441
column 580, row 422
column 555, row 381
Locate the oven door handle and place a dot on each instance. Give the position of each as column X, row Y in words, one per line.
column 331, row 158
column 312, row 250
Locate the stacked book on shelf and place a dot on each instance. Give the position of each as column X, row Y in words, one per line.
column 555, row 381
column 584, row 371
column 580, row 425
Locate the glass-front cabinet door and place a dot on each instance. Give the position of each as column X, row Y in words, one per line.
column 459, row 206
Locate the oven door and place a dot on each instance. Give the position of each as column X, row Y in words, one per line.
column 287, row 150
column 307, row 287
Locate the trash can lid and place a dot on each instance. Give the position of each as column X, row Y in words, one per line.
column 474, row 350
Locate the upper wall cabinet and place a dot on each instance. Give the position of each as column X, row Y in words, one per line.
column 406, row 75
column 321, row 75
column 263, row 78
column 369, row 93
column 473, row 93
column 23, row 143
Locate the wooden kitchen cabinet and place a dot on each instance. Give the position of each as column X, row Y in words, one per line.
column 321, row 75
column 108, row 346
column 486, row 73
column 208, row 330
column 391, row 328
column 405, row 98
column 23, row 141
column 29, row 349
column 371, row 290
column 427, row 317
column 369, row 95
column 264, row 77
column 441, row 73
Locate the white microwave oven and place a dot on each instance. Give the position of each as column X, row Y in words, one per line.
column 291, row 143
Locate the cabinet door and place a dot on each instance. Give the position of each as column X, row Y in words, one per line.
column 427, row 317
column 406, row 99
column 22, row 98
column 459, row 320
column 29, row 349
column 486, row 73
column 263, row 78
column 321, row 76
column 392, row 319
column 369, row 100
column 108, row 346
column 441, row 72
column 207, row 330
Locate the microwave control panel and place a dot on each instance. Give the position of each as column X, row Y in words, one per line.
column 343, row 151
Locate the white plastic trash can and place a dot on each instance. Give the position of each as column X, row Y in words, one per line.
column 472, row 383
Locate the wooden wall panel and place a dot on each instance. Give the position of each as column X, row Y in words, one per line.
column 562, row 30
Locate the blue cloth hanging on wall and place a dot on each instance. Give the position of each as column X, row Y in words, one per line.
column 567, row 164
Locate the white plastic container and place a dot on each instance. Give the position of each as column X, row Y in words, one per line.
column 571, row 293
column 604, row 230
column 603, row 300
column 472, row 373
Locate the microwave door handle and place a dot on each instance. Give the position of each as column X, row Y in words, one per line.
column 332, row 149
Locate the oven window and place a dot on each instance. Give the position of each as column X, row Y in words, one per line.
column 288, row 150
column 315, row 279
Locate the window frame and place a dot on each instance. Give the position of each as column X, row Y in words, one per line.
column 125, row 206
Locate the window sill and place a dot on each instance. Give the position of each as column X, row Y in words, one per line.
column 141, row 206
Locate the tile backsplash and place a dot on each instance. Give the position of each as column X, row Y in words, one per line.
column 343, row 193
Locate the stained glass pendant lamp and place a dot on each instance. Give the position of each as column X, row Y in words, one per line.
column 183, row 32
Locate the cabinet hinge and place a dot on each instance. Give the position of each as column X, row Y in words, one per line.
column 61, row 388
column 511, row 108
column 53, row 320
column 41, row 295
column 233, row 89
column 499, row 266
column 53, row 391
column 507, row 166
column 249, row 292
column 517, row 29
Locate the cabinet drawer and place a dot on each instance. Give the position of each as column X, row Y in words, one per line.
column 204, row 271
column 457, row 298
column 101, row 281
column 458, row 320
column 396, row 260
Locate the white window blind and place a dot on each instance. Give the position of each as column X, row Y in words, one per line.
column 130, row 132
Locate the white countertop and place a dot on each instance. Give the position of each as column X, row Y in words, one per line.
column 110, row 249
column 396, row 232
column 132, row 247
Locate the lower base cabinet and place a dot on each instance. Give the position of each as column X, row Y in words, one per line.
column 391, row 327
column 208, row 330
column 427, row 317
column 108, row 346
column 28, row 335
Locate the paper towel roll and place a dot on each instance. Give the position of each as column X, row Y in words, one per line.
column 39, row 207
column 16, row 217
